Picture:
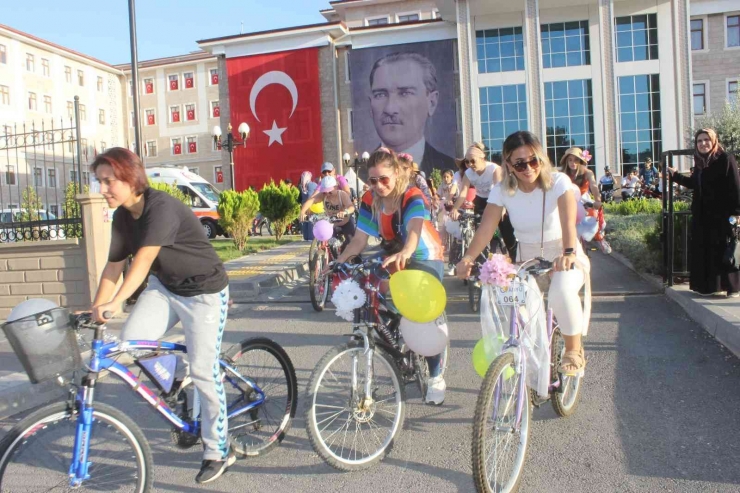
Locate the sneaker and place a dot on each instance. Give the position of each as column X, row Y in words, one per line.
column 211, row 470
column 605, row 247
column 733, row 295
column 451, row 272
column 436, row 390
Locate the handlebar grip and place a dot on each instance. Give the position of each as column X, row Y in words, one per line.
column 107, row 315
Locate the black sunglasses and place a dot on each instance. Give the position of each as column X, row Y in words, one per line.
column 521, row 166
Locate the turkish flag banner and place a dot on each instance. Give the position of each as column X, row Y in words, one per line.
column 149, row 88
column 175, row 116
column 150, row 119
column 192, row 147
column 219, row 176
column 188, row 82
column 216, row 112
column 214, row 78
column 191, row 115
column 177, row 149
column 173, row 85
column 278, row 95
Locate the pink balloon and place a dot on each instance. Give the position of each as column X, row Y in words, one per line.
column 323, row 230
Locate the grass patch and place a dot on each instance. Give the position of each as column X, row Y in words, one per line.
column 227, row 251
column 634, row 236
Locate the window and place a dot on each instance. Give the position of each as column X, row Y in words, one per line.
column 569, row 113
column 83, row 145
column 215, row 109
column 174, row 82
column 151, row 148
column 176, row 146
column 54, row 209
column 133, row 120
column 214, row 76
column 190, row 112
column 130, row 87
column 38, row 177
column 68, row 74
column 351, row 122
column 73, row 176
column 3, row 55
column 81, row 78
column 103, row 146
column 408, row 17
column 32, row 101
column 697, row 34
column 83, row 113
column 5, row 95
column 101, row 117
column 100, row 84
column 86, row 178
column 150, row 117
column 732, row 92
column 733, row 31
column 10, row 175
column 500, row 50
column 377, row 22
column 51, row 178
column 347, row 69
column 639, row 119
column 175, row 114
column 565, row 44
column 503, row 111
column 148, row 86
column 47, row 104
column 637, row 38
column 30, row 63
column 700, row 99
column 45, row 67
column 70, row 109
column 189, row 80
column 192, row 145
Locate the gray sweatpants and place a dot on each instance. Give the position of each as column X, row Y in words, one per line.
column 203, row 320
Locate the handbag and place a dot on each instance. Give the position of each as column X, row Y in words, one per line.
column 731, row 257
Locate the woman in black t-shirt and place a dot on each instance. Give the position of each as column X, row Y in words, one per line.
column 188, row 285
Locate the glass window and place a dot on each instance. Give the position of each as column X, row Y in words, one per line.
column 500, row 50
column 68, row 74
column 569, row 117
column 408, row 18
column 189, row 79
column 47, row 104
column 3, row 54
column 83, row 113
column 732, row 91
column 81, row 78
column 151, row 148
column 700, row 102
column 733, row 30
column 100, row 84
column 101, row 117
column 51, row 178
column 640, row 125
column 377, row 22
column 503, row 111
column 190, row 112
column 10, row 175
column 38, row 177
column 192, row 145
column 30, row 62
column 637, row 38
column 45, row 67
column 697, row 34
column 32, row 101
column 70, row 109
column 565, row 44
column 5, row 95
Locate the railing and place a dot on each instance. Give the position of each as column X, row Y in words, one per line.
column 675, row 253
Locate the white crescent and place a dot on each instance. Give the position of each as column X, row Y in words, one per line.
column 274, row 77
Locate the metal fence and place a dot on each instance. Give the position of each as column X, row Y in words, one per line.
column 676, row 225
column 40, row 176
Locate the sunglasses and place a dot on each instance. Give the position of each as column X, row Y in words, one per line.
column 521, row 166
column 383, row 180
column 327, row 172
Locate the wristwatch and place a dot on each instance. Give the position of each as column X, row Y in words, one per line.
column 569, row 251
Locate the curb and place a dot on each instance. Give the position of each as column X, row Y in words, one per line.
column 654, row 281
column 249, row 289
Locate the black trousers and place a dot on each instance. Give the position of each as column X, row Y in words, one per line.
column 505, row 227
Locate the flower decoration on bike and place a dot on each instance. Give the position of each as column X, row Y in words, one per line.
column 348, row 296
column 587, row 155
column 497, row 271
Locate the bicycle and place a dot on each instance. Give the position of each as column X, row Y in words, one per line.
column 82, row 444
column 503, row 409
column 361, row 385
column 320, row 255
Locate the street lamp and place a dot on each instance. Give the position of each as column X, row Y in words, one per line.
column 231, row 143
column 359, row 161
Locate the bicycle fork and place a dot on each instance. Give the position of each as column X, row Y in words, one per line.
column 367, row 399
column 80, row 467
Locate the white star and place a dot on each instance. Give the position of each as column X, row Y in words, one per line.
column 275, row 134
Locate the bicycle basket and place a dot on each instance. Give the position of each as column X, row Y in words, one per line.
column 45, row 344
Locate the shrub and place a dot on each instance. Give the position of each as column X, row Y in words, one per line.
column 436, row 177
column 71, row 209
column 30, row 205
column 171, row 189
column 628, row 234
column 237, row 210
column 279, row 204
column 640, row 206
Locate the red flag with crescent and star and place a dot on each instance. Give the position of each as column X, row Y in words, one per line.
column 278, row 95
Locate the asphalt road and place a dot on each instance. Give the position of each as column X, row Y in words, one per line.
column 659, row 409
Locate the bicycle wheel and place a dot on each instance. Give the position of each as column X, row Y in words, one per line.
column 499, row 449
column 36, row 454
column 565, row 400
column 346, row 430
column 267, row 364
column 318, row 285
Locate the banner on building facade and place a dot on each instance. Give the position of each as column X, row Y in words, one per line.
column 403, row 97
column 278, row 96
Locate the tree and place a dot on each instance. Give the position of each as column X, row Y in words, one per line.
column 436, row 177
column 726, row 123
column 30, row 205
column 237, row 210
column 279, row 204
column 171, row 189
column 72, row 209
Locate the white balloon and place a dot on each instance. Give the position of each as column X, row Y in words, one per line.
column 427, row 339
column 41, row 334
column 453, row 228
column 588, row 228
column 30, row 307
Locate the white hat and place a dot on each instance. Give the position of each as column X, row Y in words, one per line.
column 328, row 183
column 327, row 166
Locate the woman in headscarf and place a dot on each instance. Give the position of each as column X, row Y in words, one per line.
column 716, row 187
column 307, row 188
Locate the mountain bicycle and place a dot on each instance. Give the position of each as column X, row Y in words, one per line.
column 503, row 410
column 86, row 445
column 357, row 391
column 320, row 255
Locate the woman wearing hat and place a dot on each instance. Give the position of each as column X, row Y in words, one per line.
column 327, row 169
column 337, row 203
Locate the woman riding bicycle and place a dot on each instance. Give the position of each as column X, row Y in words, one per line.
column 188, row 285
column 542, row 207
column 447, row 193
column 337, row 204
column 397, row 213
column 415, row 178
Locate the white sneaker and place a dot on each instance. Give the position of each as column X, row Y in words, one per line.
column 605, row 247
column 451, row 272
column 436, row 390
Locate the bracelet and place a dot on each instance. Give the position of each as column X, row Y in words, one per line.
column 468, row 257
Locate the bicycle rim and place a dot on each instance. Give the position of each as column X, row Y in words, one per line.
column 343, row 432
column 566, row 399
column 36, row 455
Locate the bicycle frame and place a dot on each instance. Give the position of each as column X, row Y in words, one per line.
column 102, row 359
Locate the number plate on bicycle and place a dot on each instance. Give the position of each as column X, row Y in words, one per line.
column 515, row 294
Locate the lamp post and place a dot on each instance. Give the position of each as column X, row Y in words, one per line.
column 359, row 161
column 231, row 143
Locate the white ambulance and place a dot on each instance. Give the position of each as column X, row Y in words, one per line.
column 203, row 196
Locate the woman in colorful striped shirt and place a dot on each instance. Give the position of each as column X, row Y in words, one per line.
column 396, row 212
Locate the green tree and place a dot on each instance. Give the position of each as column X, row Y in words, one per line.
column 71, row 209
column 30, row 205
column 436, row 177
column 279, row 204
column 726, row 122
column 237, row 210
column 171, row 189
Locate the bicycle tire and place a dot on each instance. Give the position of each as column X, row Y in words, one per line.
column 318, row 300
column 312, row 423
column 565, row 401
column 284, row 413
column 483, row 409
column 34, row 428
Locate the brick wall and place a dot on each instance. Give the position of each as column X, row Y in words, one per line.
column 55, row 270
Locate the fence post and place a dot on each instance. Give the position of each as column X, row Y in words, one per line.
column 96, row 232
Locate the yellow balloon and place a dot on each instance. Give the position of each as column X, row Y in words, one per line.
column 418, row 295
column 317, row 208
column 482, row 359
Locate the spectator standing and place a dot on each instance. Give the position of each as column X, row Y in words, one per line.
column 307, row 188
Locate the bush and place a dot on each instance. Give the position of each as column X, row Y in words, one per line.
column 634, row 237
column 170, row 189
column 436, row 177
column 71, row 209
column 30, row 205
column 725, row 122
column 237, row 210
column 279, row 204
column 641, row 206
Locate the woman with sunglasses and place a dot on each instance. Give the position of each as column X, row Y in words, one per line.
column 542, row 207
column 337, row 204
column 396, row 212
column 327, row 169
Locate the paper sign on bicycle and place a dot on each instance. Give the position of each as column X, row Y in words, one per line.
column 515, row 294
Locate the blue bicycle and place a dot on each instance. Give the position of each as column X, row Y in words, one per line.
column 89, row 446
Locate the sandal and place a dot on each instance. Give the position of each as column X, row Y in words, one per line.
column 573, row 363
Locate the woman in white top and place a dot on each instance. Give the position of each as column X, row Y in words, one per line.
column 528, row 180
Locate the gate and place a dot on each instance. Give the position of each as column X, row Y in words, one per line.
column 41, row 175
column 675, row 231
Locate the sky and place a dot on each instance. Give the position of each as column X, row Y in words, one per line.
column 99, row 28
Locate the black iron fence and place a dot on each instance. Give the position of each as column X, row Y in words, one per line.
column 40, row 176
column 676, row 225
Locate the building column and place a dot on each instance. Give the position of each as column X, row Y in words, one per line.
column 533, row 50
column 464, row 53
column 608, row 88
column 96, row 231
column 682, row 67
column 225, row 118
